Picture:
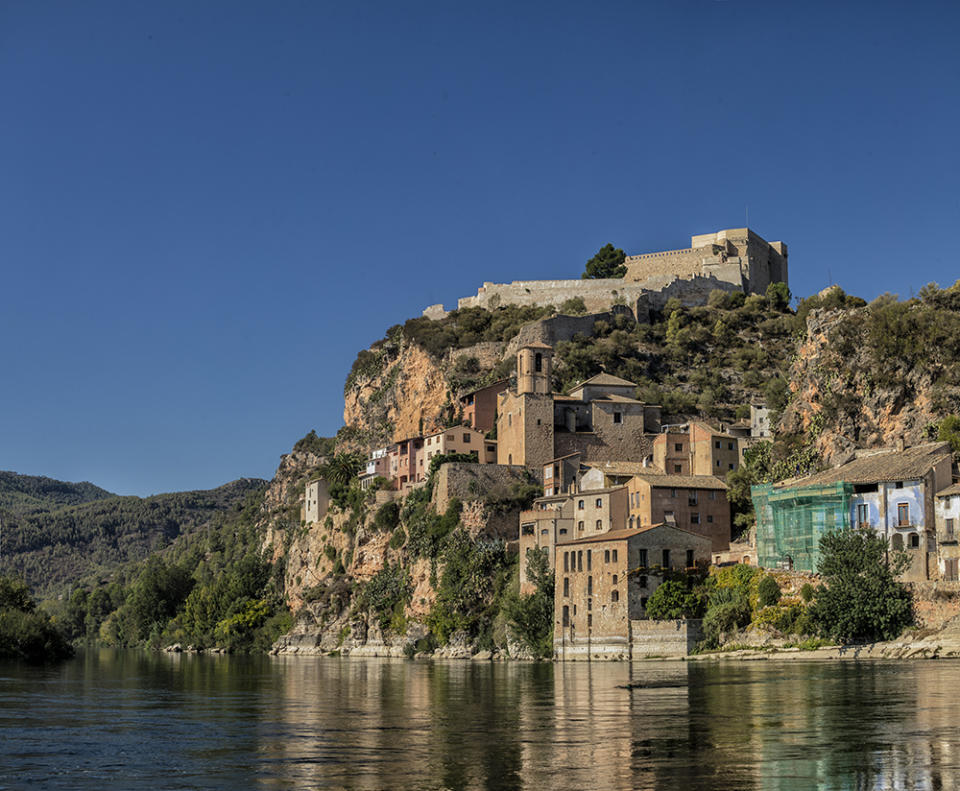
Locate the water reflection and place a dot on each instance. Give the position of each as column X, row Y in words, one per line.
column 137, row 720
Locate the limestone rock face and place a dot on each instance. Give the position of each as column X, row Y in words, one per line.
column 837, row 390
column 408, row 396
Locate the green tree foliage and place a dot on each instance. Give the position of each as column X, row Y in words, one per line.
column 608, row 262
column 388, row 516
column 29, row 494
column 473, row 574
column 210, row 587
column 386, row 594
column 427, row 531
column 778, row 295
column 311, row 443
column 25, row 632
column 54, row 549
column 342, row 469
column 860, row 600
column 768, row 591
column 531, row 615
column 155, row 597
column 575, row 306
column 674, row 599
column 948, row 430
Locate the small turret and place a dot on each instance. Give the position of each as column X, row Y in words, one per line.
column 535, row 369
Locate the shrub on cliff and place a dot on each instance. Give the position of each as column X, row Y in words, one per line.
column 860, row 600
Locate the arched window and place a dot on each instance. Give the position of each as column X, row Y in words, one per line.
column 538, row 362
column 914, row 540
column 897, row 541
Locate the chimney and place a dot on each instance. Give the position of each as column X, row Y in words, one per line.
column 900, row 444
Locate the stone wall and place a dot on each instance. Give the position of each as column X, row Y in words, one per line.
column 555, row 329
column 647, row 640
column 473, row 481
column 664, row 638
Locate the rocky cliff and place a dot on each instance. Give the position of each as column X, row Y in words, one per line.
column 859, row 380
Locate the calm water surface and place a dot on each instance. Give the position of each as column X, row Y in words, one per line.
column 130, row 720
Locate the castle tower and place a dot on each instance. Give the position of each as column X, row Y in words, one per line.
column 535, row 369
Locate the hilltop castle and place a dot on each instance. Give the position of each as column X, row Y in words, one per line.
column 736, row 259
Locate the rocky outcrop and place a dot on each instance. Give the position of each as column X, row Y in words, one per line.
column 838, row 398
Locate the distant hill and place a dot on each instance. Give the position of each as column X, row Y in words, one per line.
column 53, row 547
column 27, row 494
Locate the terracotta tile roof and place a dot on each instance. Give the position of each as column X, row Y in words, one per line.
column 623, row 467
column 537, row 345
column 606, row 380
column 629, row 532
column 886, row 465
column 955, row 489
column 618, row 399
column 682, row 481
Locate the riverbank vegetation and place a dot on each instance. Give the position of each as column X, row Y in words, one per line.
column 27, row 632
column 857, row 600
column 211, row 588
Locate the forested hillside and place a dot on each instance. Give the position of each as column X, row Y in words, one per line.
column 26, row 494
column 53, row 549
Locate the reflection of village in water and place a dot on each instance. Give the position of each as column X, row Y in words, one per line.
column 371, row 724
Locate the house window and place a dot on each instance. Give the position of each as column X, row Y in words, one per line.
column 618, row 417
column 709, row 519
column 863, row 514
column 614, row 556
column 566, row 561
column 677, row 468
column 563, row 531
column 543, row 532
column 695, row 518
column 599, row 502
column 729, row 446
column 643, row 602
column 615, row 596
column 689, row 558
column 589, row 620
column 509, row 418
column 614, row 579
column 580, row 504
column 538, row 362
column 642, row 581
column 589, row 561
column 666, row 559
column 673, row 492
column 589, row 604
column 713, row 495
column 580, row 525
column 903, row 514
column 589, row 586
column 642, row 560
column 606, row 556
column 466, row 438
column 668, row 516
column 599, row 524
column 950, row 569
column 716, row 444
column 914, row 540
column 692, row 497
column 949, row 528
column 678, row 447
column 566, row 615
column 580, row 560
column 898, row 485
column 566, row 587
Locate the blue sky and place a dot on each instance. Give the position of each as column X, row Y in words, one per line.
column 209, row 208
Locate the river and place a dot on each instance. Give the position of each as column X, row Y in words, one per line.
column 134, row 720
